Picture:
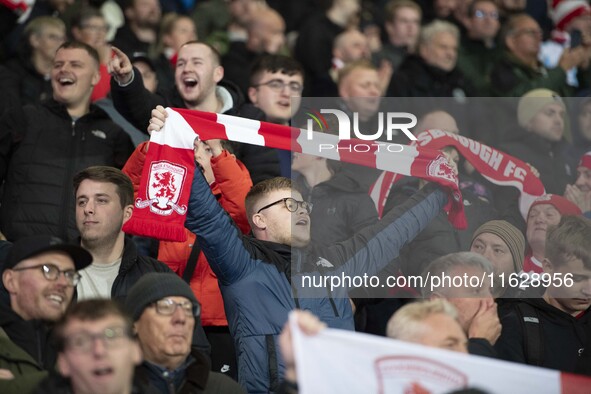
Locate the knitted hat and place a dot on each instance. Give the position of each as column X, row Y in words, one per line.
column 533, row 101
column 562, row 205
column 510, row 235
column 585, row 160
column 563, row 12
column 153, row 287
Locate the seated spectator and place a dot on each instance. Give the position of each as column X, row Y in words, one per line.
column 266, row 35
column 551, row 331
column 85, row 367
column 580, row 192
column 40, row 275
column 104, row 202
column 140, row 31
column 45, row 144
column 175, row 30
column 90, row 27
column 349, row 46
column 276, row 84
column 545, row 211
column 570, row 18
column 504, row 246
column 581, row 129
column 165, row 311
column 313, row 47
column 479, row 50
column 402, row 25
column 431, row 323
column 541, row 140
column 519, row 70
column 433, row 72
column 477, row 310
column 26, row 79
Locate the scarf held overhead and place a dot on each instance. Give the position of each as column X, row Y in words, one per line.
column 163, row 195
column 497, row 167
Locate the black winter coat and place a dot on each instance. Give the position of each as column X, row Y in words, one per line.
column 563, row 336
column 340, row 209
column 440, row 237
column 415, row 78
column 547, row 157
column 41, row 149
column 136, row 103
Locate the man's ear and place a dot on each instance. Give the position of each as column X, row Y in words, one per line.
column 259, row 221
column 9, row 281
column 252, row 95
column 62, row 365
column 96, row 78
column 547, row 266
column 127, row 213
column 218, row 73
column 510, row 43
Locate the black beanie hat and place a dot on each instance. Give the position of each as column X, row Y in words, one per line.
column 155, row 286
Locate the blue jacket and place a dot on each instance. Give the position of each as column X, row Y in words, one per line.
column 261, row 282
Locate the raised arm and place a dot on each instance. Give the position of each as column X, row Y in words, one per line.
column 222, row 243
column 130, row 97
column 374, row 247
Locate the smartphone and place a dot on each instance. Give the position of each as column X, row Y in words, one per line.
column 576, row 38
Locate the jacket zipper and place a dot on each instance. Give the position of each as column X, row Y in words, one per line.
column 65, row 208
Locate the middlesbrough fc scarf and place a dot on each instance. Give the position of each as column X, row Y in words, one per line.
column 163, row 195
column 497, row 167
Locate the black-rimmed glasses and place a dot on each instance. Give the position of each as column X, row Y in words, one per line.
column 52, row 273
column 278, row 85
column 291, row 204
column 167, row 307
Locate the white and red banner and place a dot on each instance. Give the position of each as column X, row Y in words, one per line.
column 339, row 361
column 164, row 190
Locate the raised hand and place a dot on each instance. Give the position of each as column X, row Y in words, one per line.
column 120, row 67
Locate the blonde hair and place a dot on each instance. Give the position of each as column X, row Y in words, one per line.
column 407, row 323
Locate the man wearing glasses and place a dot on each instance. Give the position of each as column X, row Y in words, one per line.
column 478, row 48
column 276, row 84
column 97, row 352
column 164, row 310
column 519, row 70
column 262, row 279
column 40, row 275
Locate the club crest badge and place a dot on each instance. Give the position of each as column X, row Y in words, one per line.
column 164, row 189
column 440, row 168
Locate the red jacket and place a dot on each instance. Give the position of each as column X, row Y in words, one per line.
column 232, row 183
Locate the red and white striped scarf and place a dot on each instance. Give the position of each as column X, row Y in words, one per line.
column 496, row 166
column 161, row 203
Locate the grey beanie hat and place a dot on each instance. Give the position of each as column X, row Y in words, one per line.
column 153, row 287
column 510, row 235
